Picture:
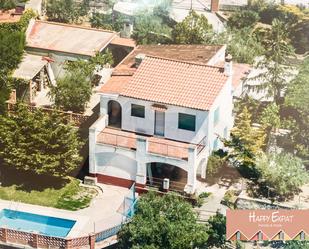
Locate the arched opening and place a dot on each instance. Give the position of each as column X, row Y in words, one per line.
column 114, row 114
column 157, row 172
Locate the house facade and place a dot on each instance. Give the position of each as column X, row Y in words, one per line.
column 161, row 116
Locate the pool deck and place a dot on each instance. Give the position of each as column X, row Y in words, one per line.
column 100, row 215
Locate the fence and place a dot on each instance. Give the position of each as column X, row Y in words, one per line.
column 43, row 241
column 76, row 118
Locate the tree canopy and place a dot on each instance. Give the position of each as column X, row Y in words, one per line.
column 194, row 29
column 246, row 142
column 163, row 222
column 297, row 100
column 216, row 228
column 275, row 68
column 243, row 19
column 39, row 143
column 73, row 91
column 66, row 11
column 150, row 29
column 283, row 172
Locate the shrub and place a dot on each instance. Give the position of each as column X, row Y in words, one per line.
column 214, row 164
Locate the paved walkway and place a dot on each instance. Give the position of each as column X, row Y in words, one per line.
column 100, row 215
column 228, row 179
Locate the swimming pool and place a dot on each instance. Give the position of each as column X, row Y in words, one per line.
column 29, row 222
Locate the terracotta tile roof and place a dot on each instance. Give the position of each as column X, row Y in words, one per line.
column 177, row 83
column 240, row 71
column 189, row 53
column 115, row 84
column 125, row 42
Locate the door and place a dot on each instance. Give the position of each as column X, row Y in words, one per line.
column 159, row 123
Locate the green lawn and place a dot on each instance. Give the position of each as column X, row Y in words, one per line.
column 45, row 191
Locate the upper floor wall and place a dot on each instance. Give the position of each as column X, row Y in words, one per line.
column 177, row 123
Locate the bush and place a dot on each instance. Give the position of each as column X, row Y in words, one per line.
column 230, row 197
column 204, row 195
column 214, row 164
column 284, row 173
column 243, row 19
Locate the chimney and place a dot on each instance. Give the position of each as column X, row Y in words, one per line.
column 228, row 65
column 214, row 6
column 138, row 59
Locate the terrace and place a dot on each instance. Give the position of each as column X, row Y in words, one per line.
column 155, row 145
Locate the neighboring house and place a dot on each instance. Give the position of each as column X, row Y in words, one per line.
column 58, row 44
column 64, row 42
column 160, row 116
column 180, row 9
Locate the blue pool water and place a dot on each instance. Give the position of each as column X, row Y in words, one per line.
column 29, row 222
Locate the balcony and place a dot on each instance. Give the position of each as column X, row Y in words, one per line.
column 155, row 145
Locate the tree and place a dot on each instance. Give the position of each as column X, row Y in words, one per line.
column 39, row 143
column 150, row 29
column 194, row 29
column 243, row 19
column 72, row 92
column 274, row 65
column 297, row 101
column 293, row 244
column 246, row 142
column 216, row 228
column 299, row 36
column 107, row 21
column 12, row 43
column 66, row 11
column 283, row 172
column 244, row 46
column 270, row 117
column 163, row 222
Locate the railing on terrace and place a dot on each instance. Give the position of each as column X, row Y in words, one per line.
column 160, row 146
column 175, row 186
column 76, row 118
column 201, row 145
column 117, row 140
column 168, row 149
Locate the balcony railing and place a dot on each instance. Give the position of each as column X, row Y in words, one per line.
column 155, row 145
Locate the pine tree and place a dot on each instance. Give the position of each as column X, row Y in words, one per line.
column 275, row 67
column 246, row 141
column 39, row 143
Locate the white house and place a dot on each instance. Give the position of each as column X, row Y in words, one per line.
column 160, row 116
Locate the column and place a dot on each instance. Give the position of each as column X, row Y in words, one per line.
column 141, row 150
column 92, row 240
column 92, row 144
column 192, row 169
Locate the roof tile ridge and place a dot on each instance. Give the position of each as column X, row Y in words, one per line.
column 184, row 62
column 75, row 26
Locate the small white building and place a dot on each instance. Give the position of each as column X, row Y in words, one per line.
column 160, row 116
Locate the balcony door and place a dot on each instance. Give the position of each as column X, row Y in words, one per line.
column 159, row 123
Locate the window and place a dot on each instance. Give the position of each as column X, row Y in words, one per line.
column 260, row 236
column 138, row 111
column 238, row 235
column 302, row 236
column 186, row 122
column 281, row 236
column 216, row 116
